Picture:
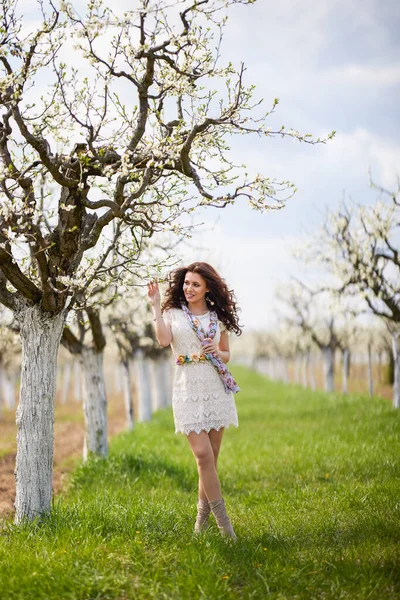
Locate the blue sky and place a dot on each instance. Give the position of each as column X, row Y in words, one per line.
column 335, row 65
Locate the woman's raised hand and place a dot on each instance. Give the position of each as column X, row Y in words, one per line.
column 153, row 293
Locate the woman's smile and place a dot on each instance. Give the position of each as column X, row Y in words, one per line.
column 195, row 288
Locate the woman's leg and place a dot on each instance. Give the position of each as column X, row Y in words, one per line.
column 203, row 452
column 218, row 506
column 216, row 441
column 205, row 448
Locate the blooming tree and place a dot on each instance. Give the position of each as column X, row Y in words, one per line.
column 321, row 317
column 130, row 133
column 359, row 245
column 275, row 350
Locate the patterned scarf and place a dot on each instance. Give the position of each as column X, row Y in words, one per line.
column 221, row 368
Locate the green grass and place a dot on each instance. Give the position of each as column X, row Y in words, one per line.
column 311, row 482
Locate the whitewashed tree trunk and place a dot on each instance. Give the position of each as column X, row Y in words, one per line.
column 328, row 355
column 157, row 385
column 279, row 373
column 119, row 379
column 66, row 382
column 379, row 367
column 346, row 369
column 143, row 387
column 278, row 369
column 286, row 375
column 282, row 367
column 311, row 371
column 261, row 365
column 94, row 403
column 167, row 373
column 77, row 381
column 128, row 398
column 40, row 337
column 297, row 369
column 8, row 389
column 304, row 365
column 266, row 366
column 272, row 362
column 160, row 376
column 167, row 369
column 13, row 381
column 396, row 358
column 370, row 376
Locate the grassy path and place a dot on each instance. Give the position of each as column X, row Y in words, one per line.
column 311, row 482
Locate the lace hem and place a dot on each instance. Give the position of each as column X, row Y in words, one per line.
column 198, row 427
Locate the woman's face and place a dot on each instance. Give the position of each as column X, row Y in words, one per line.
column 194, row 287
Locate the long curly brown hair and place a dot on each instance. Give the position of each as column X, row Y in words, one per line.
column 223, row 298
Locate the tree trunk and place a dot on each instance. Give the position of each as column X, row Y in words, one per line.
column 160, row 383
column 94, row 403
column 40, row 337
column 66, row 381
column 8, row 389
column 262, row 365
column 128, row 399
column 77, row 381
column 346, row 370
column 304, row 369
column 286, row 375
column 297, row 369
column 396, row 361
column 328, row 355
column 119, row 379
column 370, row 377
column 311, row 374
column 157, row 384
column 143, row 387
column 389, row 376
column 380, row 367
column 167, row 376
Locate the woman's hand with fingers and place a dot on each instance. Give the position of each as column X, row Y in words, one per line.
column 209, row 346
column 153, row 293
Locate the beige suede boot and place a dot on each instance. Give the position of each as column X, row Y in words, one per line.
column 224, row 525
column 203, row 511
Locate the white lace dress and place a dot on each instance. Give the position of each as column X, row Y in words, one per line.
column 199, row 399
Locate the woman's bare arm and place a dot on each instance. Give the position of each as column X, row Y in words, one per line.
column 163, row 331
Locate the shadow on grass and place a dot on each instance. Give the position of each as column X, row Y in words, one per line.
column 129, row 468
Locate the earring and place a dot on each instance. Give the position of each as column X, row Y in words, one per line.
column 208, row 299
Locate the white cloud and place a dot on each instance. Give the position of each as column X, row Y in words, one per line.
column 363, row 75
column 342, row 162
column 355, row 152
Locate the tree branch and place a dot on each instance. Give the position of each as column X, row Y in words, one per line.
column 16, row 277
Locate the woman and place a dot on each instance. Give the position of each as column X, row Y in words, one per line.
column 195, row 318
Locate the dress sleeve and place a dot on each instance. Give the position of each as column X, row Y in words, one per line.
column 222, row 327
